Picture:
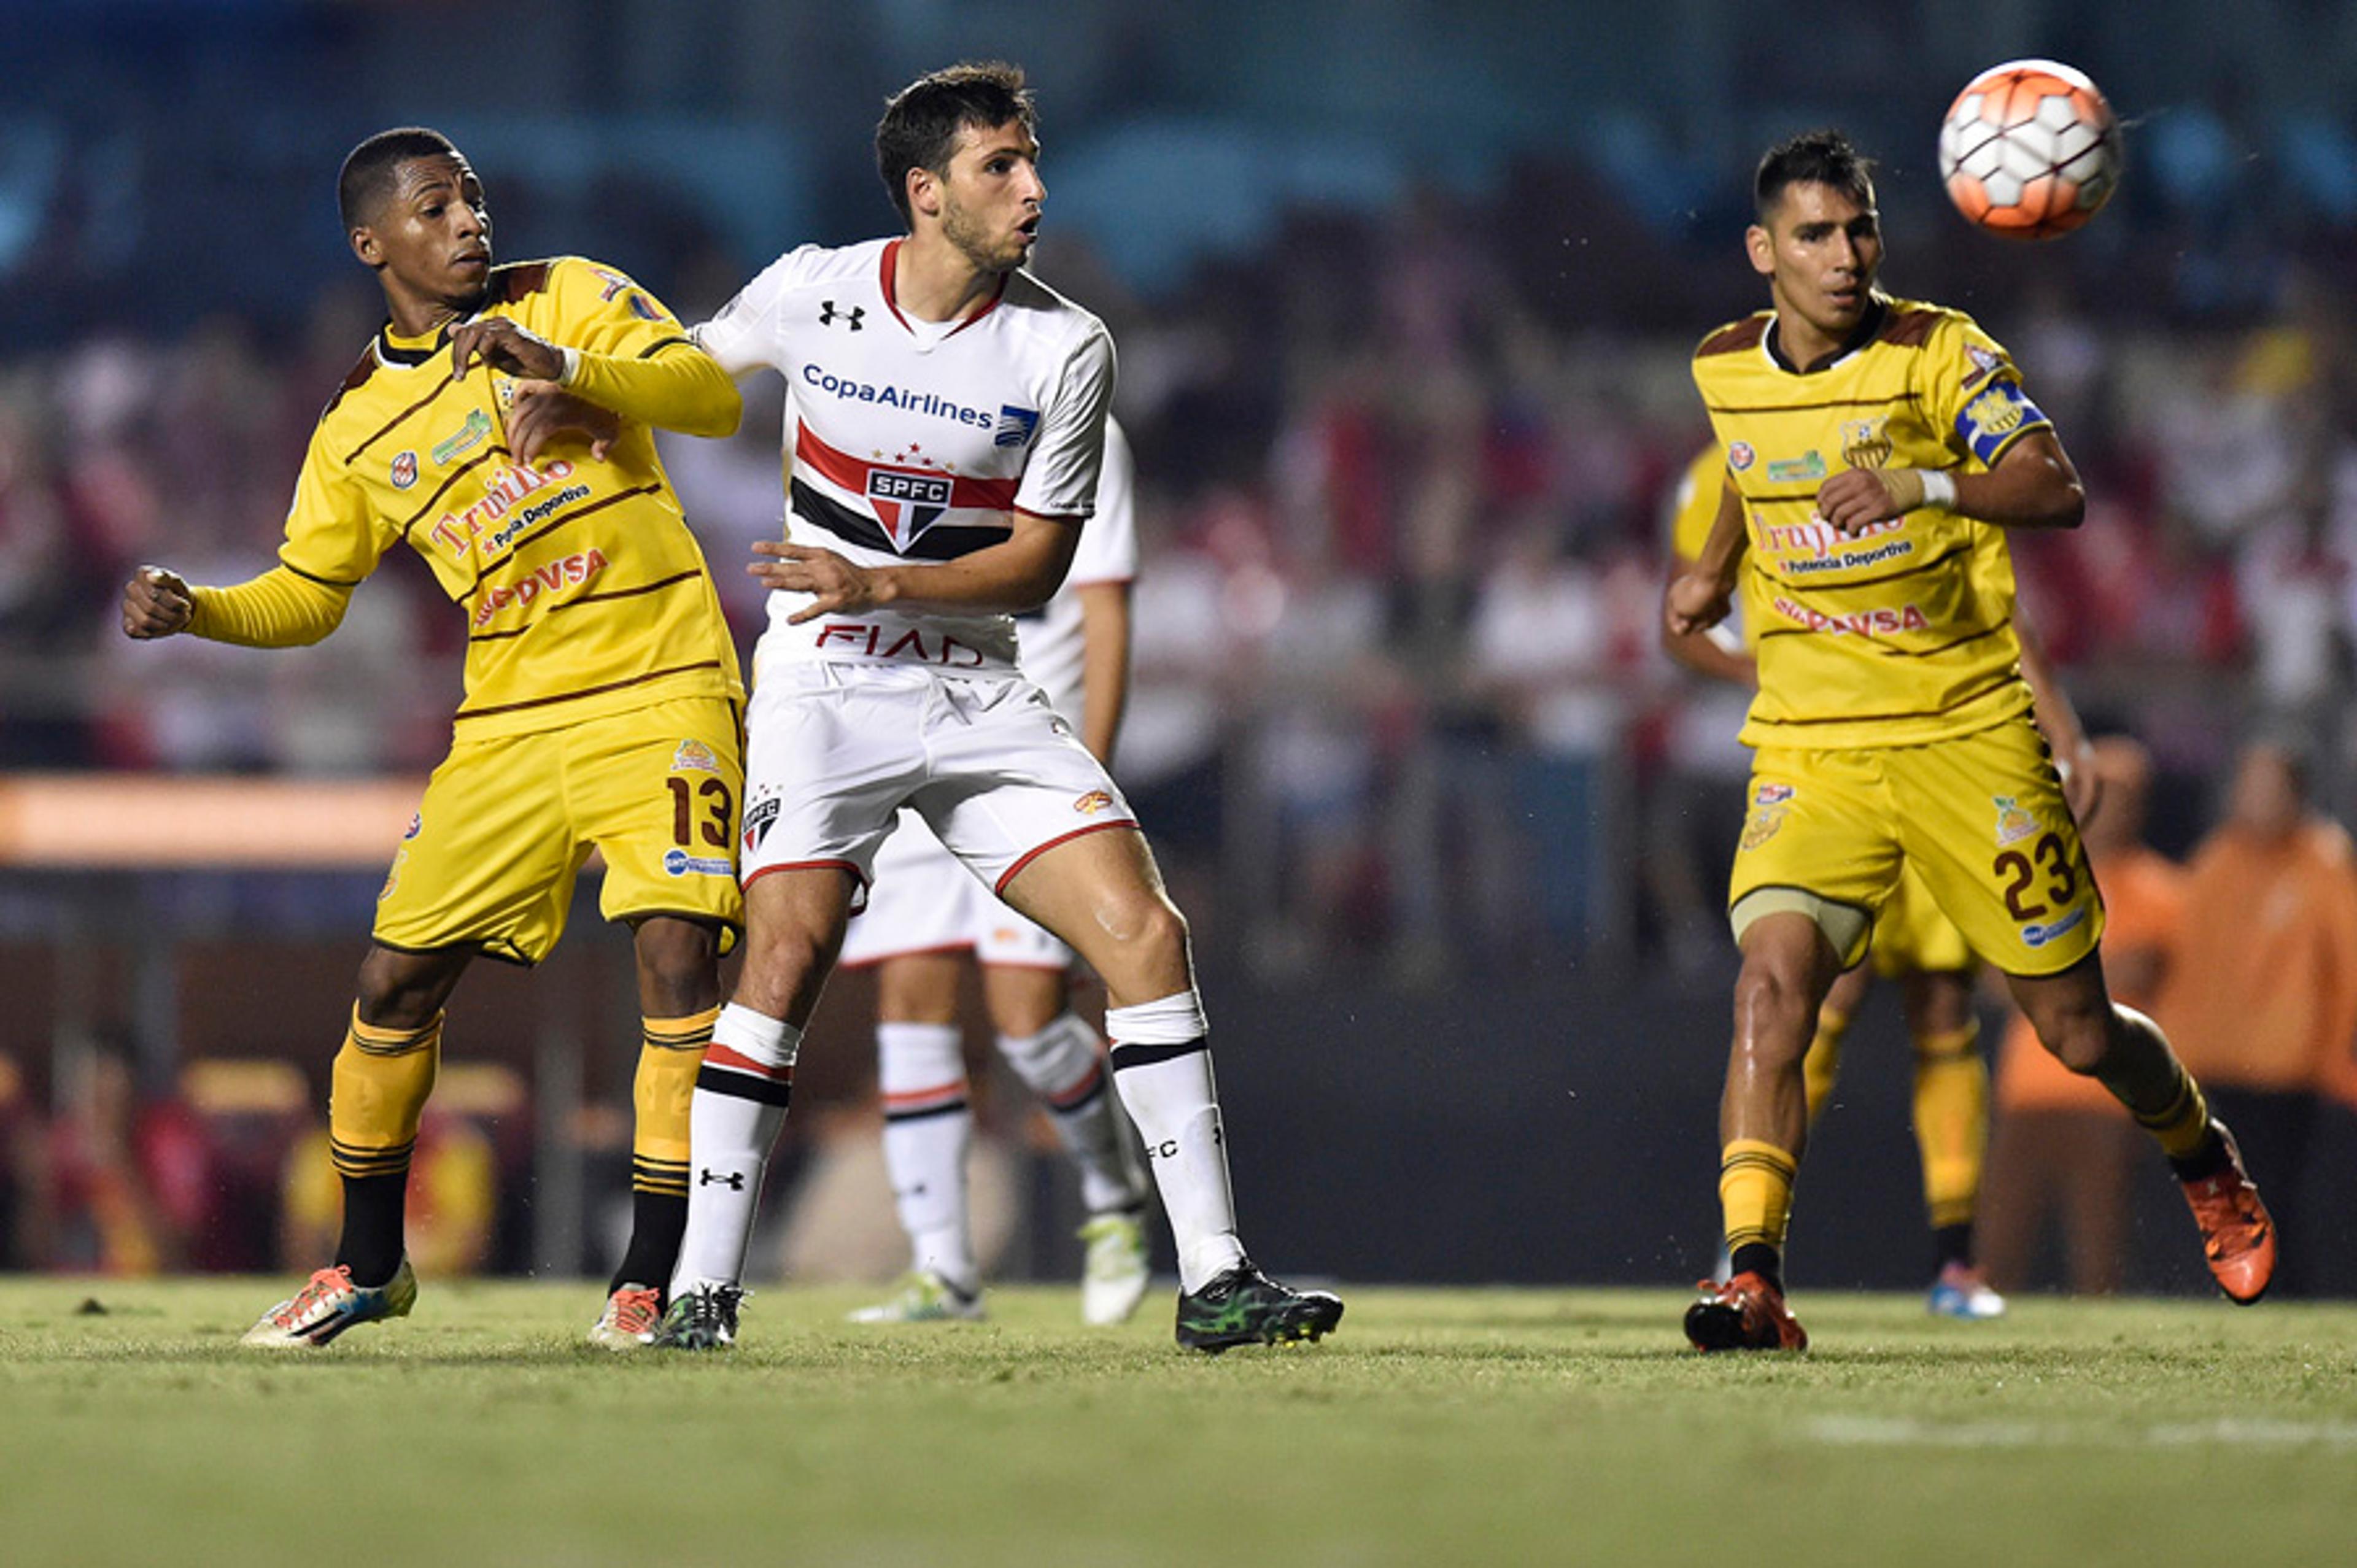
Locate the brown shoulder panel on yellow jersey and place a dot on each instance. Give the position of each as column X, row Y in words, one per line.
column 355, row 379
column 1744, row 334
column 516, row 281
column 1909, row 329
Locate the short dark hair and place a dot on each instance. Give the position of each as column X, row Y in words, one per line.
column 366, row 178
column 922, row 121
column 1813, row 157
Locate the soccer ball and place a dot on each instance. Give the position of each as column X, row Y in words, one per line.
column 2030, row 149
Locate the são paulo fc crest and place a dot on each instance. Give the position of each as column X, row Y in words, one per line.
column 907, row 504
column 759, row 819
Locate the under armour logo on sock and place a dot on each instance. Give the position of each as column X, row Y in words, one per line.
column 828, row 315
column 736, row 1180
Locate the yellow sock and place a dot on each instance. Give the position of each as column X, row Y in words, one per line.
column 1951, row 1117
column 670, row 1052
column 1755, row 1193
column 1823, row 1061
column 2184, row 1126
column 379, row 1086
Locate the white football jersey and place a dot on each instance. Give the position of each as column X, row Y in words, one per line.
column 913, row 440
column 1052, row 645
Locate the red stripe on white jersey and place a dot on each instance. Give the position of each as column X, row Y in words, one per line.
column 850, row 474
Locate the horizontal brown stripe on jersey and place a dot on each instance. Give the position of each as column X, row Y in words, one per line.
column 315, row 577
column 651, row 349
column 596, row 505
column 1888, row 649
column 589, row 691
column 495, row 449
column 659, row 584
column 1810, row 407
column 399, row 419
column 1745, row 334
column 1947, row 647
column 1976, row 694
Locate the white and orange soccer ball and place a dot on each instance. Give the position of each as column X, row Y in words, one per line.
column 2030, row 149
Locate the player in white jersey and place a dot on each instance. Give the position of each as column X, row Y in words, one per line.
column 927, row 915
column 945, row 434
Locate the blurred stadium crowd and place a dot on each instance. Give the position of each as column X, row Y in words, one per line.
column 1405, row 458
column 1398, row 687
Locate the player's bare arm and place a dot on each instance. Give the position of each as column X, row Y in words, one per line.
column 1105, row 667
column 1717, row 653
column 1019, row 574
column 2058, row 718
column 1700, row 598
column 156, row 603
column 2033, row 485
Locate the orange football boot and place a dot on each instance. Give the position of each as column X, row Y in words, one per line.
column 1747, row 1313
column 2238, row 1237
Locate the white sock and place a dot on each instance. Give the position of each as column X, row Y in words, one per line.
column 732, row 1124
column 1065, row 1068
column 927, row 1126
column 1163, row 1069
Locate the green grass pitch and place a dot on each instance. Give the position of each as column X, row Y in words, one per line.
column 1438, row 1427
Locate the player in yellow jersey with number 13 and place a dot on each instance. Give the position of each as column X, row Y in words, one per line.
column 1877, row 449
column 497, row 424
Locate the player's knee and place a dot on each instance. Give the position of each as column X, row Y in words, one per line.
column 679, row 965
column 1150, row 925
column 404, row 991
column 782, row 963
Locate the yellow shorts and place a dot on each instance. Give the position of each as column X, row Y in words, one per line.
column 1913, row 935
column 489, row 860
column 1979, row 817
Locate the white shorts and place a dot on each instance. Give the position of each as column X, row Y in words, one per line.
column 925, row 902
column 834, row 751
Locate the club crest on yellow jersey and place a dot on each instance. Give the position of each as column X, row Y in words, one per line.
column 1866, row 442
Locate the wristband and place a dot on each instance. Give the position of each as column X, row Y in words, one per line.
column 1939, row 487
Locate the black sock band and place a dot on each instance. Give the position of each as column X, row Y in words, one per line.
column 1758, row 1258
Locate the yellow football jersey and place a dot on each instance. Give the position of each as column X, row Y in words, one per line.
column 1904, row 633
column 585, row 592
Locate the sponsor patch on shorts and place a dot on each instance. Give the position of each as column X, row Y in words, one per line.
column 679, row 863
column 2038, row 935
column 694, row 757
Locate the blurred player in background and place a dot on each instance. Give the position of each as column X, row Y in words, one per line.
column 946, row 431
column 926, row 913
column 1913, row 943
column 2062, row 1144
column 1876, row 450
column 497, row 424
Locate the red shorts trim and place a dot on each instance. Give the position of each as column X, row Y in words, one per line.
column 1034, row 853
